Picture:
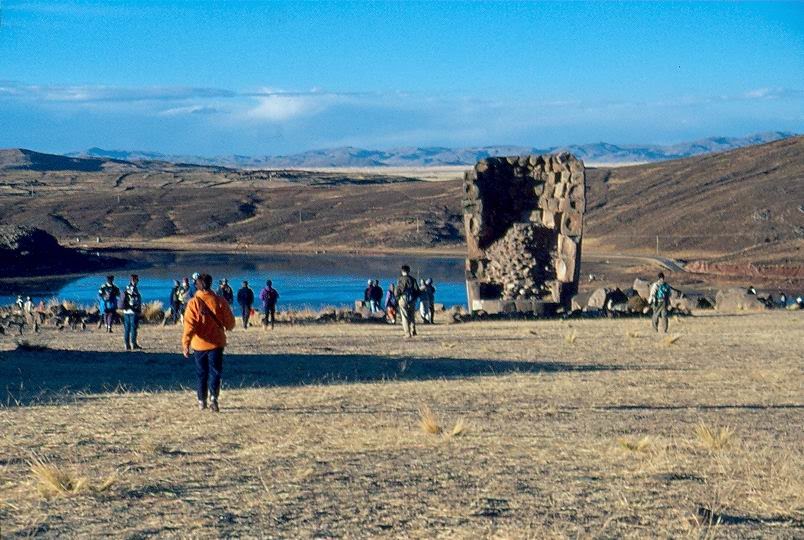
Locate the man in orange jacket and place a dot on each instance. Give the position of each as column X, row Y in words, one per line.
column 206, row 319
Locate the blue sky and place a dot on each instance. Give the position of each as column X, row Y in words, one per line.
column 281, row 77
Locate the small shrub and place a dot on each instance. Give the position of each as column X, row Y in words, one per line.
column 69, row 305
column 642, row 445
column 714, row 439
column 153, row 312
column 428, row 421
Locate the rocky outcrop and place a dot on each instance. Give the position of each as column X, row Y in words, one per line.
column 29, row 252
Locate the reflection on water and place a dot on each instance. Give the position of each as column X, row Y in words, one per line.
column 312, row 281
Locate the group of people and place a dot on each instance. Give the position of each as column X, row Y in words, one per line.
column 423, row 295
column 129, row 303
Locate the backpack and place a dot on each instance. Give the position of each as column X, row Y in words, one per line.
column 663, row 292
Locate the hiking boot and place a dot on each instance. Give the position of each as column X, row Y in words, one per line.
column 213, row 406
column 202, row 404
column 128, row 347
column 136, row 347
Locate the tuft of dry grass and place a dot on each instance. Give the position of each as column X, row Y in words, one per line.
column 428, row 421
column 53, row 481
column 153, row 312
column 571, row 337
column 714, row 439
column 669, row 341
column 459, row 428
column 643, row 444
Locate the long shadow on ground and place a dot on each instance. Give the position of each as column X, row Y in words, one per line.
column 51, row 375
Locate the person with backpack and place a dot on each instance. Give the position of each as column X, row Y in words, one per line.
column 132, row 307
column 245, row 297
column 174, row 304
column 225, row 291
column 108, row 295
column 269, row 296
column 407, row 291
column 206, row 320
column 659, row 298
column 186, row 292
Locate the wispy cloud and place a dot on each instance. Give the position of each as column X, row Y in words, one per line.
column 94, row 94
column 190, row 109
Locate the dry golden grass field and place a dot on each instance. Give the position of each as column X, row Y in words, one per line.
column 527, row 429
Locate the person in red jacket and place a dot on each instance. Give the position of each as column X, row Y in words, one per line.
column 207, row 317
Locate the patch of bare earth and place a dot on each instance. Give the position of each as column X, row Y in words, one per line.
column 504, row 429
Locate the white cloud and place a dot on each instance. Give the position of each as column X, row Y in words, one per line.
column 278, row 106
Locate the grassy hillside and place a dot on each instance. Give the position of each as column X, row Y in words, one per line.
column 743, row 205
column 747, row 199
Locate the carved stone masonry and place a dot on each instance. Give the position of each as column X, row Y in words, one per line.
column 524, row 220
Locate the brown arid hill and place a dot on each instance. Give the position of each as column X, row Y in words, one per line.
column 745, row 205
column 731, row 208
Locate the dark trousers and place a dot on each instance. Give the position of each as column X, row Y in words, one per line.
column 245, row 313
column 270, row 314
column 130, row 323
column 175, row 312
column 208, row 367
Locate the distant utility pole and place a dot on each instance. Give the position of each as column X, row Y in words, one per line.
column 657, row 245
column 300, row 216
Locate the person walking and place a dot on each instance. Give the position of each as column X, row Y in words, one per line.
column 269, row 297
column 132, row 307
column 659, row 298
column 245, row 297
column 206, row 320
column 406, row 293
column 225, row 291
column 108, row 295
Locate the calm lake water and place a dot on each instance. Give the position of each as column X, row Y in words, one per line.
column 303, row 281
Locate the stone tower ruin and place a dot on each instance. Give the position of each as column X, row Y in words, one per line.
column 524, row 219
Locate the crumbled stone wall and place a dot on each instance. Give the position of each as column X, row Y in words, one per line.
column 524, row 222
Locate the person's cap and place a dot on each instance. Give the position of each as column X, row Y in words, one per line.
column 110, row 277
column 135, row 276
column 196, row 275
column 224, row 281
column 429, row 281
column 370, row 282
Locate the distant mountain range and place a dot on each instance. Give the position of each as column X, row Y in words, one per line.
column 595, row 153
